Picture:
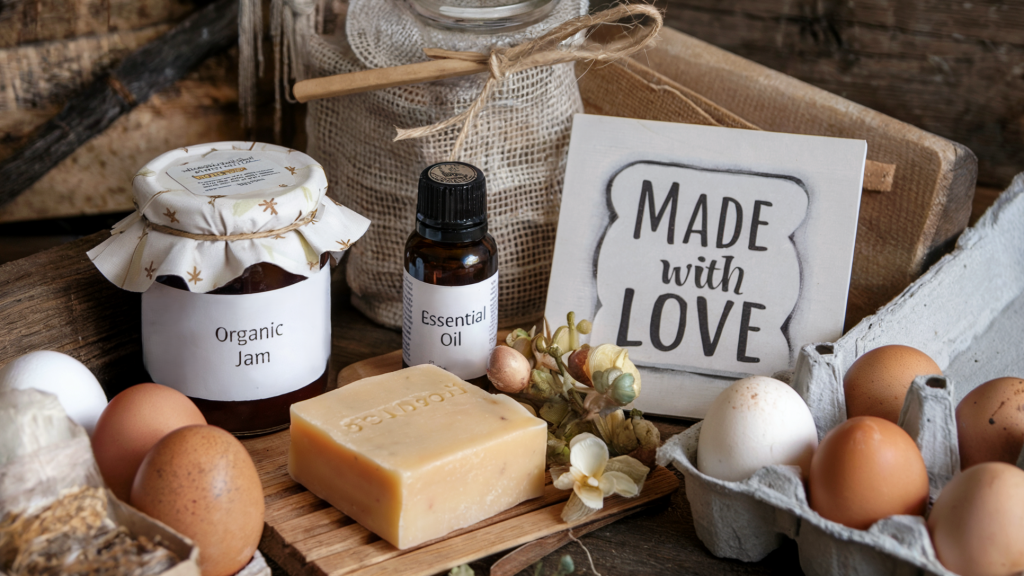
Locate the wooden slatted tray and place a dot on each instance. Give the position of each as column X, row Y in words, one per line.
column 307, row 536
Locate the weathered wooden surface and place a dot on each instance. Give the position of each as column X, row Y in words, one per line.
column 900, row 232
column 96, row 178
column 36, row 76
column 51, row 50
column 141, row 74
column 950, row 67
column 27, row 21
column 57, row 300
column 306, row 536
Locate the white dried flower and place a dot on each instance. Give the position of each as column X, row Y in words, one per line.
column 592, row 476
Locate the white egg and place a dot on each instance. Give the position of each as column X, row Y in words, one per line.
column 755, row 422
column 61, row 375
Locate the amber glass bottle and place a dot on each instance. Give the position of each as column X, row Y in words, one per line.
column 263, row 415
column 450, row 288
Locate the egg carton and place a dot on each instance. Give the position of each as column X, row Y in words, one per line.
column 966, row 312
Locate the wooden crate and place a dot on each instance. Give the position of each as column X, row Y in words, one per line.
column 900, row 232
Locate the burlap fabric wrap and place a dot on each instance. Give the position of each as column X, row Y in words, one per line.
column 520, row 141
column 209, row 238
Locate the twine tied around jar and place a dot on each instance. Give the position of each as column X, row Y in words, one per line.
column 139, row 214
column 543, row 51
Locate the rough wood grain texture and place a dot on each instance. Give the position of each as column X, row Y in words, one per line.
column 96, row 178
column 36, row 76
column 141, row 74
column 527, row 554
column 26, row 21
column 306, row 536
column 57, row 300
column 900, row 232
column 950, row 67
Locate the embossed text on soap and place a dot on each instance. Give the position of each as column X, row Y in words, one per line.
column 405, row 406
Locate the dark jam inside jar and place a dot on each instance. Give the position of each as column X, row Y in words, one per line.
column 254, row 417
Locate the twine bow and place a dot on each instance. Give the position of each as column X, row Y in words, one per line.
column 543, row 51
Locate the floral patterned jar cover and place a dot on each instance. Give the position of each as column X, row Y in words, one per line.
column 205, row 213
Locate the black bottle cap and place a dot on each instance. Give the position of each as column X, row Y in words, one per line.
column 452, row 203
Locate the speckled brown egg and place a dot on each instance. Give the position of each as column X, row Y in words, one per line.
column 200, row 481
column 877, row 383
column 990, row 423
column 132, row 423
column 977, row 521
column 866, row 469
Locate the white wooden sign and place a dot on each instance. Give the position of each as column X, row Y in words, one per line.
column 709, row 253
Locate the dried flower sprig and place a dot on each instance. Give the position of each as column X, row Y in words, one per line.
column 576, row 388
column 592, row 476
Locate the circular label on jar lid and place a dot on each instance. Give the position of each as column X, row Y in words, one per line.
column 452, row 173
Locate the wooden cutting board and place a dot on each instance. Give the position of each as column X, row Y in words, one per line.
column 306, row 536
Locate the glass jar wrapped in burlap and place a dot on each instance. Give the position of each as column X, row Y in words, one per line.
column 520, row 140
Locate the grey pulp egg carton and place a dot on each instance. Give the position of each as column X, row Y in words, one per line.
column 967, row 313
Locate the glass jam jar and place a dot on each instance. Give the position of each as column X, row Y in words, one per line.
column 261, row 415
column 482, row 16
column 230, row 245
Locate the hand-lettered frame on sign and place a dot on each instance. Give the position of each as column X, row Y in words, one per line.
column 709, row 253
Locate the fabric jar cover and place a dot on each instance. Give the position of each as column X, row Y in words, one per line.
column 206, row 213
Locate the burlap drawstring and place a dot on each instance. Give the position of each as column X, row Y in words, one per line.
column 543, row 51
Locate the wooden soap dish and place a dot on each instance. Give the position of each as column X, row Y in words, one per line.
column 306, row 536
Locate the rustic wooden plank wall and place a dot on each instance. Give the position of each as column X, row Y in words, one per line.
column 952, row 67
column 50, row 49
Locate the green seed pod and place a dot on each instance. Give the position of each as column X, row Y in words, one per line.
column 540, row 344
column 524, row 346
column 646, row 433
column 542, row 385
column 600, row 380
column 625, row 440
column 558, row 451
column 554, row 410
column 574, row 336
column 612, row 373
column 516, row 335
column 561, row 338
column 622, row 390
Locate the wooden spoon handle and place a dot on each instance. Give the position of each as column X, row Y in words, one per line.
column 367, row 80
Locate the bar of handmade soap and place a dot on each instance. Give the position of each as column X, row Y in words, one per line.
column 415, row 454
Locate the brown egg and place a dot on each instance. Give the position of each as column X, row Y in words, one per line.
column 200, row 481
column 990, row 423
column 877, row 383
column 131, row 424
column 866, row 469
column 977, row 521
